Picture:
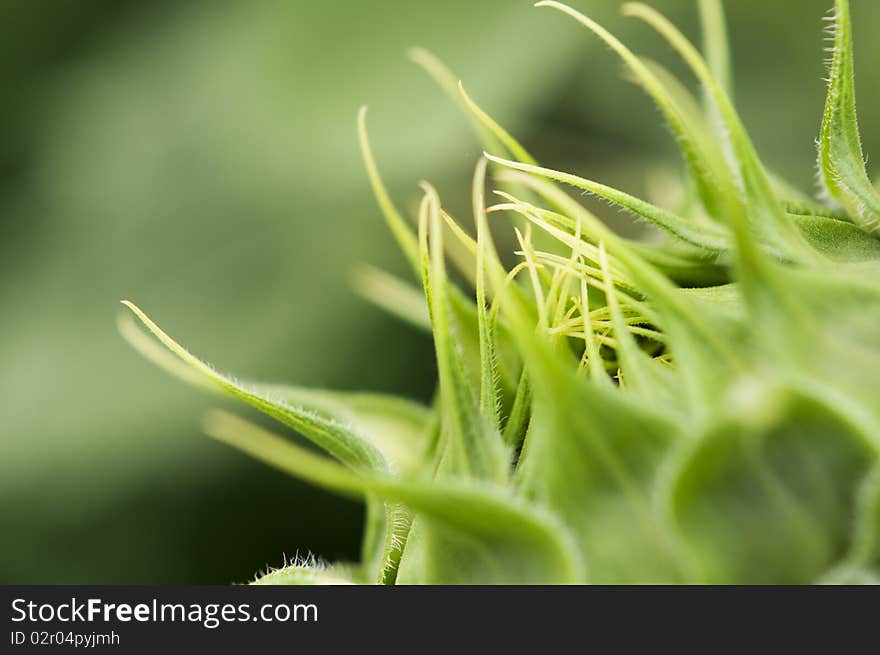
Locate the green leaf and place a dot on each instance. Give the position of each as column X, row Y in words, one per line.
column 838, row 240
column 395, row 426
column 768, row 495
column 681, row 266
column 402, row 232
column 476, row 535
column 451, row 85
column 841, row 161
column 489, row 393
column 324, row 420
column 334, row 437
column 511, row 144
column 473, row 448
column 520, row 413
column 764, row 220
column 591, row 456
column 482, row 536
column 835, row 350
column 700, row 154
column 708, row 237
column 392, row 425
column 716, row 44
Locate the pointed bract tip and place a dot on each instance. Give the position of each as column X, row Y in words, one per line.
column 630, row 9
column 416, row 52
column 124, row 320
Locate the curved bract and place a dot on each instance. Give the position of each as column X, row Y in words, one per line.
column 700, row 408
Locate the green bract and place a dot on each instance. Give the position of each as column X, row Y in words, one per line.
column 702, row 407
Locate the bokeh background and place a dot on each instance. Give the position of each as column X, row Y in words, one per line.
column 200, row 158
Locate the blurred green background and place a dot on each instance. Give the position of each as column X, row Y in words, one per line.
column 200, row 158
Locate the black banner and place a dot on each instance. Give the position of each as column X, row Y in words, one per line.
column 226, row 619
